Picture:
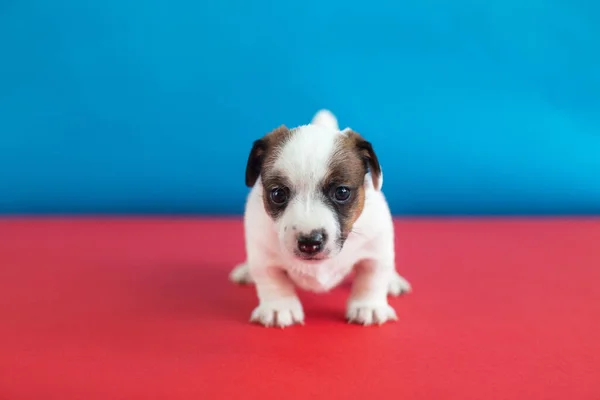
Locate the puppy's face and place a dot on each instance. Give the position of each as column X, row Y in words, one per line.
column 314, row 186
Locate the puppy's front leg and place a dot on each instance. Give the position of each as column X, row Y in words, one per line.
column 278, row 303
column 368, row 304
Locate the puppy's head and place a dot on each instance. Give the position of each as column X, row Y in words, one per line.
column 314, row 180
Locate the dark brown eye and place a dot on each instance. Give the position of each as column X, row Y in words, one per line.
column 279, row 196
column 341, row 194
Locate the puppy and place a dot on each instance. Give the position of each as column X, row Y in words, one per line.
column 315, row 214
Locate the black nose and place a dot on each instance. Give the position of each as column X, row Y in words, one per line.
column 312, row 243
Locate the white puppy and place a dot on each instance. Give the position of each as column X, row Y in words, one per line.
column 316, row 213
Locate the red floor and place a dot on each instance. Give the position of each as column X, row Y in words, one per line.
column 142, row 309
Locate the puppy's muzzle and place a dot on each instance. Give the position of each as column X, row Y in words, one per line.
column 310, row 245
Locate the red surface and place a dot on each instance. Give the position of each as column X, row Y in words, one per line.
column 142, row 309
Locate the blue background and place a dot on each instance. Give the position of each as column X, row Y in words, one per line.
column 131, row 106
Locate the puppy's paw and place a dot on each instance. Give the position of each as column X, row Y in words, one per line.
column 398, row 285
column 279, row 313
column 370, row 313
column 241, row 275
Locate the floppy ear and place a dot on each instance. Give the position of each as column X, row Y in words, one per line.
column 255, row 161
column 259, row 150
column 366, row 152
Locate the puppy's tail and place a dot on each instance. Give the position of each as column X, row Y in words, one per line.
column 326, row 119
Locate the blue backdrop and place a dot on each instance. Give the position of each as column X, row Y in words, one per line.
column 116, row 106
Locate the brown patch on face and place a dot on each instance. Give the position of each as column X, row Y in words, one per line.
column 260, row 163
column 360, row 204
column 350, row 163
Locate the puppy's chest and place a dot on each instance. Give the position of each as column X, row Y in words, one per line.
column 318, row 278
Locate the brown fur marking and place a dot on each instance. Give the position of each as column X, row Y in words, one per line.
column 348, row 167
column 261, row 160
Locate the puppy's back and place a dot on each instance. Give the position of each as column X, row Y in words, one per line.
column 326, row 119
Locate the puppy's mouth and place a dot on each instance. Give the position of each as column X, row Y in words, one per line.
column 312, row 258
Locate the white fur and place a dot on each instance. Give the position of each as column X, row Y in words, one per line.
column 304, row 161
column 369, row 249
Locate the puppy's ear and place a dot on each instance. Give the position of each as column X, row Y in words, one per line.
column 260, row 148
column 367, row 154
column 255, row 161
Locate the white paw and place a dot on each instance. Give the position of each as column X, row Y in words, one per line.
column 398, row 285
column 241, row 274
column 280, row 313
column 369, row 313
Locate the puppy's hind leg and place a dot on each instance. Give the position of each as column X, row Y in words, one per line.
column 241, row 275
column 398, row 285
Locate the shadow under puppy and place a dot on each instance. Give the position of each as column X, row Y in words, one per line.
column 314, row 214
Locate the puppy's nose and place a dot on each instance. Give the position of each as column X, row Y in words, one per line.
column 312, row 243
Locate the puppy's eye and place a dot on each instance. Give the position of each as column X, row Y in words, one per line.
column 341, row 194
column 279, row 196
